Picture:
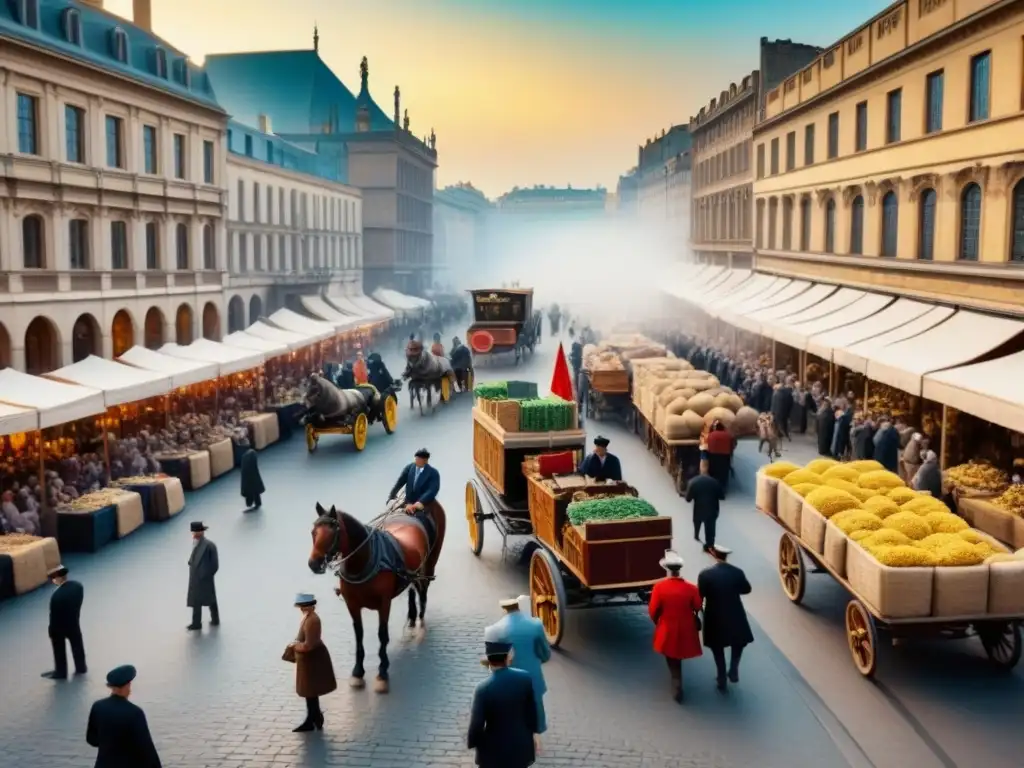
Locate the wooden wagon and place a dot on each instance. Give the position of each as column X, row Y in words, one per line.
column 593, row 565
column 356, row 424
column 681, row 458
column 608, row 396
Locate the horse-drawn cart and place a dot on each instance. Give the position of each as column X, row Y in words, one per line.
column 608, row 396
column 594, row 564
column 504, row 321
column 355, row 410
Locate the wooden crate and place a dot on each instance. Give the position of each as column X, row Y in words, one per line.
column 506, row 413
column 489, row 456
column 610, row 382
column 543, row 511
column 618, row 552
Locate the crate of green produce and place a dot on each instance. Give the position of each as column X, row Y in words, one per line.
column 608, row 510
column 491, row 390
column 550, row 414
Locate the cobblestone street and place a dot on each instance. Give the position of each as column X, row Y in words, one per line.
column 223, row 697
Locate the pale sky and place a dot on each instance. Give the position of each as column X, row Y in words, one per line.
column 521, row 92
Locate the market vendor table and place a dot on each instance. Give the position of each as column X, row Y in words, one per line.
column 222, row 457
column 287, row 417
column 263, row 429
column 996, row 522
column 130, row 515
column 88, row 530
column 23, row 566
column 162, row 497
column 192, row 469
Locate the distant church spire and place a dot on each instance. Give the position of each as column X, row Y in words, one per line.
column 316, row 38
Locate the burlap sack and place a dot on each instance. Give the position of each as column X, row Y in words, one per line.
column 199, row 466
column 1006, row 588
column 130, row 514
column 960, row 590
column 812, row 529
column 789, row 504
column 765, row 498
column 29, row 563
column 894, row 593
column 835, row 549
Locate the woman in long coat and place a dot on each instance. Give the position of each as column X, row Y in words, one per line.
column 314, row 672
column 252, row 483
column 675, row 603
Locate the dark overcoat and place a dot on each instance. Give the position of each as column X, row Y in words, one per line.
column 610, row 469
column 826, row 426
column 203, row 565
column 66, row 609
column 314, row 672
column 503, row 720
column 252, row 482
column 119, row 730
column 705, row 492
column 725, row 620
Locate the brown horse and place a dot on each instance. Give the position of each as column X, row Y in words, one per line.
column 370, row 579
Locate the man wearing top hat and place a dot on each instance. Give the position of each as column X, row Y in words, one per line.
column 118, row 728
column 530, row 648
column 65, row 612
column 725, row 620
column 503, row 722
column 601, row 465
column 422, row 483
column 203, row 565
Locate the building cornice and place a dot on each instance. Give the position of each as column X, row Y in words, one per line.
column 251, row 163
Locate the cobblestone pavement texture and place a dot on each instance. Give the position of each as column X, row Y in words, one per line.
column 223, row 698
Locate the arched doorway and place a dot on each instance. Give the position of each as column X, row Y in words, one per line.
column 42, row 347
column 86, row 338
column 122, row 332
column 255, row 309
column 183, row 325
column 153, row 334
column 5, row 348
column 211, row 322
column 236, row 314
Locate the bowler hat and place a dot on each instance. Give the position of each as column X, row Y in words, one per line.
column 121, row 676
column 197, row 527
column 422, row 453
column 304, row 598
column 56, row 573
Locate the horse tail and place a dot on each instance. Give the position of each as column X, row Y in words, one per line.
column 439, row 527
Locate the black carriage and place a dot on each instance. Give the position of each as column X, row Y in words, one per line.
column 504, row 322
column 356, row 423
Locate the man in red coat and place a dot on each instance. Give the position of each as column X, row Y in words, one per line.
column 674, row 605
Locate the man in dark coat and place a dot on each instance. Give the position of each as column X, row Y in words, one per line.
column 601, row 465
column 462, row 360
column 65, row 612
column 841, row 443
column 705, row 492
column 725, row 620
column 887, row 446
column 118, row 728
column 378, row 374
column 422, row 483
column 203, row 565
column 862, row 439
column 503, row 721
column 252, row 483
column 826, row 418
column 763, row 390
column 782, row 405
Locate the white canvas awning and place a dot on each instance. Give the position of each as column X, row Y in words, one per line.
column 296, row 323
column 319, row 308
column 899, row 313
column 243, row 340
column 779, row 305
column 856, row 356
column 400, row 301
column 776, row 292
column 183, row 372
column 757, row 285
column 119, row 383
column 56, row 402
column 991, row 390
column 734, row 281
column 688, row 287
column 965, row 337
column 843, row 313
column 14, row 419
column 293, row 340
column 347, row 308
column 367, row 305
column 227, row 359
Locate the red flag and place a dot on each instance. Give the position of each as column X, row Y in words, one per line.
column 561, row 382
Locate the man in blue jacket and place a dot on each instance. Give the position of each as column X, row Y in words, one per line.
column 422, row 483
column 601, row 465
column 503, row 723
column 530, row 648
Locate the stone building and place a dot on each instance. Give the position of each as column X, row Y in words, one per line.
column 111, row 217
column 553, row 200
column 461, row 212
column 310, row 107
column 294, row 227
column 894, row 160
column 663, row 185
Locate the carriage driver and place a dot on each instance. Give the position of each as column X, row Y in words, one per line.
column 422, row 483
column 601, row 465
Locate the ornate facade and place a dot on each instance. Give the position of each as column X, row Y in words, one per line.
column 894, row 161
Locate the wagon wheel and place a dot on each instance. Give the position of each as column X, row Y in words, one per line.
column 446, row 389
column 1002, row 642
column 862, row 638
column 792, row 571
column 390, row 414
column 547, row 594
column 312, row 438
column 476, row 525
column 359, row 430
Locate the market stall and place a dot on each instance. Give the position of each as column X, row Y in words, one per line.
column 287, row 384
column 773, row 294
column 282, row 377
column 407, row 306
column 371, row 307
column 324, row 333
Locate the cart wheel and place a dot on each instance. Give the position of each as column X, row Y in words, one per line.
column 862, row 637
column 446, row 389
column 792, row 571
column 1002, row 642
column 476, row 525
column 311, row 438
column 359, row 430
column 547, row 595
column 390, row 414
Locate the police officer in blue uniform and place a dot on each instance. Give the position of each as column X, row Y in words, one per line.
column 118, row 728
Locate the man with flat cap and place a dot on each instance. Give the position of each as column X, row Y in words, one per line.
column 601, row 465
column 65, row 612
column 725, row 620
column 503, row 723
column 422, row 483
column 530, row 647
column 203, row 565
column 118, row 728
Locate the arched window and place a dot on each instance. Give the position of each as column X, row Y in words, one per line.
column 181, row 235
column 970, row 222
column 160, row 61
column 857, row 225
column 32, row 243
column 72, row 22
column 830, row 226
column 926, row 241
column 119, row 44
column 890, row 224
column 209, row 252
column 1017, row 222
column 805, row 223
column 787, row 223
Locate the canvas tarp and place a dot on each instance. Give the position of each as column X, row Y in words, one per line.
column 55, row 401
column 183, row 372
column 119, row 383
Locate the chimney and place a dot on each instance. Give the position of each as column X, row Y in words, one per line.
column 142, row 14
column 264, row 124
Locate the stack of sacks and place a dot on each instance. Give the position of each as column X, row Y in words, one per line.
column 681, row 402
column 650, row 377
column 903, row 551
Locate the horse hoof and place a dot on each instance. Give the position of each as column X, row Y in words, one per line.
column 421, row 633
column 380, row 685
column 357, row 683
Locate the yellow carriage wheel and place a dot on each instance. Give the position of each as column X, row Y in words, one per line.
column 359, row 430
column 390, row 414
column 547, row 595
column 475, row 525
column 446, row 389
column 311, row 438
